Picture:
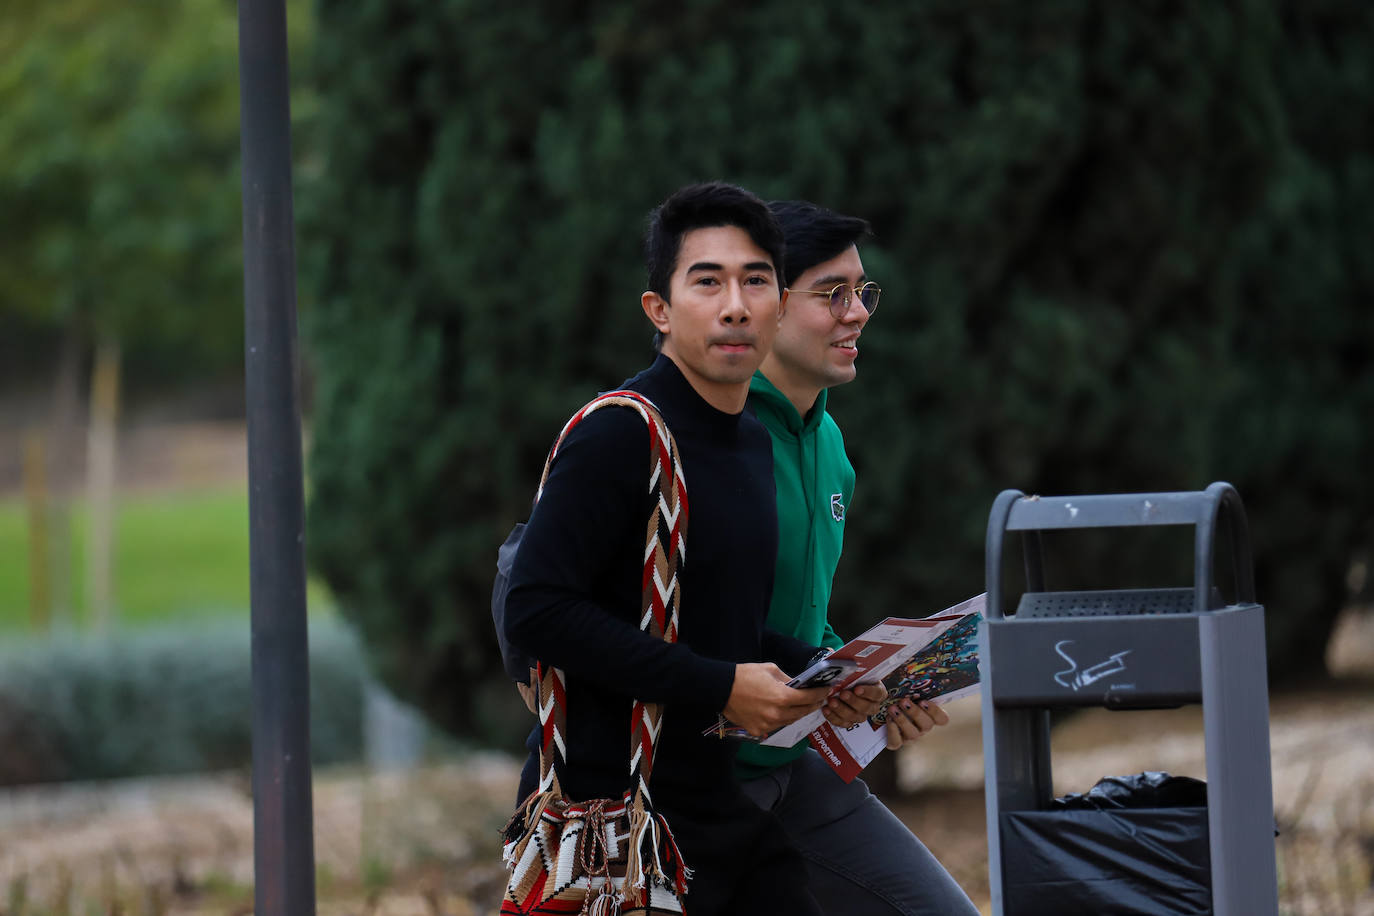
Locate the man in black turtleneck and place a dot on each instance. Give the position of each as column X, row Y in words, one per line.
column 715, row 301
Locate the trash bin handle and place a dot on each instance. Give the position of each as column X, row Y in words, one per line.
column 998, row 518
column 1013, row 510
column 1215, row 497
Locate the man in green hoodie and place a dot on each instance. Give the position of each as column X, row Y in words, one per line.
column 863, row 859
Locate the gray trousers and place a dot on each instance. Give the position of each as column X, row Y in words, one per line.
column 863, row 861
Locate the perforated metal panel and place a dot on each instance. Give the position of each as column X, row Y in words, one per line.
column 1112, row 603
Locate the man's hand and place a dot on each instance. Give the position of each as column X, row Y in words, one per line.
column 907, row 721
column 761, row 702
column 854, row 704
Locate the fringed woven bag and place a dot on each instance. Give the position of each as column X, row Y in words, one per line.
column 607, row 856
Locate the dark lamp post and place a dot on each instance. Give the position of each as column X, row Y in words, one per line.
column 283, row 839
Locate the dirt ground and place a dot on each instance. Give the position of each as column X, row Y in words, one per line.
column 151, row 455
column 424, row 842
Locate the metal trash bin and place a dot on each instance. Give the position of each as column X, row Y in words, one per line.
column 1126, row 649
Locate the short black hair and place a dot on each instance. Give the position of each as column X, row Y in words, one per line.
column 703, row 206
column 814, row 235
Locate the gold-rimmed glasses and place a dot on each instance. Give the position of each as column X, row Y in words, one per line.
column 839, row 298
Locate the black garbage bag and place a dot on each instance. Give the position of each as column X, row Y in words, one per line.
column 1151, row 789
column 1132, row 844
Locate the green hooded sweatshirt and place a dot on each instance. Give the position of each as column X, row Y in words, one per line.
column 814, row 482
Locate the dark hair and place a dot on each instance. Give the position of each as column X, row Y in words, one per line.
column 702, row 206
column 814, row 235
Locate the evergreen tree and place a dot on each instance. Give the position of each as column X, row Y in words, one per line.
column 1119, row 246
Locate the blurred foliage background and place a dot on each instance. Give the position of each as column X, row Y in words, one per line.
column 123, row 504
column 1122, row 247
column 120, row 149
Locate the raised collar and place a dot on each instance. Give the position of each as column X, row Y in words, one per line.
column 768, row 400
column 665, row 385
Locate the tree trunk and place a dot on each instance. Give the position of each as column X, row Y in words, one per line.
column 36, row 499
column 100, row 479
column 61, row 460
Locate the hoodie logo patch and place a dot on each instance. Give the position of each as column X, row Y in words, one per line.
column 837, row 506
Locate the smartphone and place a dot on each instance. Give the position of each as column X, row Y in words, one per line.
column 823, row 673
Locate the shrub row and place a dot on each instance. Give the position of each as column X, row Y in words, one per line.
column 171, row 700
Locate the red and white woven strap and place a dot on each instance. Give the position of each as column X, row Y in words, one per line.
column 665, row 551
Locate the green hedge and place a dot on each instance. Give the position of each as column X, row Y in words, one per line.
column 170, row 700
column 1124, row 247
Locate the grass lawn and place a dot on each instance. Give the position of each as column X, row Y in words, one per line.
column 178, row 554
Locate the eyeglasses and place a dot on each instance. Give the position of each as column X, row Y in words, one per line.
column 839, row 298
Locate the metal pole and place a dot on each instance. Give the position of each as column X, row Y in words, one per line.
column 283, row 840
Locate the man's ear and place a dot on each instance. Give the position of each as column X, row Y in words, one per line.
column 782, row 304
column 657, row 308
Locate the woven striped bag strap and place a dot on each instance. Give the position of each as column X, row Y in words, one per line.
column 664, row 553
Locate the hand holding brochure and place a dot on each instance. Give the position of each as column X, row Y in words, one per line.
column 946, row 668
column 827, row 670
column 943, row 669
column 935, row 657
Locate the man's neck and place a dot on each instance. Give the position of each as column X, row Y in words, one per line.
column 725, row 397
column 801, row 395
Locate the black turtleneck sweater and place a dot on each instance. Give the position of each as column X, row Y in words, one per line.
column 575, row 595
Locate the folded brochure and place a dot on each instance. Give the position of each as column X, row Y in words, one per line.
column 931, row 659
